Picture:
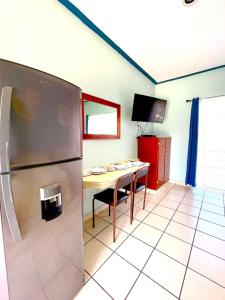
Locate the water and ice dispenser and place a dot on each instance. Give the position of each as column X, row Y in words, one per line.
column 51, row 201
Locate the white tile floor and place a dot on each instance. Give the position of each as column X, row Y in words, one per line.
column 175, row 249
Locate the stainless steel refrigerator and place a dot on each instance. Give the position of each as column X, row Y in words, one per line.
column 41, row 240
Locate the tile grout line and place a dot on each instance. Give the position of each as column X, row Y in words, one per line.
column 190, row 250
column 91, row 277
column 216, row 237
column 198, row 217
column 146, row 245
column 213, row 204
column 183, row 240
column 212, row 222
column 213, row 212
column 169, row 219
column 114, row 251
column 224, row 203
column 130, row 234
column 124, row 213
column 156, row 229
column 154, row 248
column 184, row 224
column 206, row 277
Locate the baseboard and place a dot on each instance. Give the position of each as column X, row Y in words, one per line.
column 150, row 191
column 177, row 182
column 97, row 211
column 104, row 206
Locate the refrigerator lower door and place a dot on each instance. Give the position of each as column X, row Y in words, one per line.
column 47, row 263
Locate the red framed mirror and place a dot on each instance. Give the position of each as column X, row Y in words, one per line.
column 101, row 118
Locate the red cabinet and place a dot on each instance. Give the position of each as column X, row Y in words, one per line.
column 156, row 151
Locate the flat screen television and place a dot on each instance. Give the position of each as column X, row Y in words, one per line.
column 148, row 109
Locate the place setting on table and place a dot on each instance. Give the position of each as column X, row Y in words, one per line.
column 111, row 167
column 105, row 176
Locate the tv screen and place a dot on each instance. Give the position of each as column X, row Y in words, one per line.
column 148, row 109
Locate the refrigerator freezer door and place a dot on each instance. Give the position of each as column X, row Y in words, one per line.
column 47, row 264
column 45, row 116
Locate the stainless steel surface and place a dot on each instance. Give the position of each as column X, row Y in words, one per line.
column 5, row 106
column 3, row 277
column 41, row 242
column 7, row 198
column 45, row 116
column 48, row 263
column 51, row 191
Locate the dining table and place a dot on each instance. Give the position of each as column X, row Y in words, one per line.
column 102, row 181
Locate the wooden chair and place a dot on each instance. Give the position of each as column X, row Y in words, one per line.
column 138, row 185
column 114, row 197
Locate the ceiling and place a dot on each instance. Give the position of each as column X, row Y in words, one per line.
column 165, row 38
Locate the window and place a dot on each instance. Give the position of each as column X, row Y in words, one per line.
column 211, row 143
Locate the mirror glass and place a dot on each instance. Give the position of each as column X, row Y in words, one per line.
column 99, row 118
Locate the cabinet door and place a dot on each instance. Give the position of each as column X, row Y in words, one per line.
column 167, row 160
column 148, row 152
column 161, row 159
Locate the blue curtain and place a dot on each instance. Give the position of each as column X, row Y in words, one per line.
column 193, row 144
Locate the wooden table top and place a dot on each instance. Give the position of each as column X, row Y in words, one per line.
column 108, row 179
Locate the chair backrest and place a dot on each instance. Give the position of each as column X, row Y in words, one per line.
column 141, row 172
column 124, row 180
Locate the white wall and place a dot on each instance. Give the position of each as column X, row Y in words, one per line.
column 177, row 119
column 45, row 35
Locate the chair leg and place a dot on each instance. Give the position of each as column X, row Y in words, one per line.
column 109, row 210
column 132, row 208
column 93, row 212
column 132, row 193
column 114, row 223
column 144, row 197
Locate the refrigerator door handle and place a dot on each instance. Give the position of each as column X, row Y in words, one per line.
column 5, row 106
column 10, row 208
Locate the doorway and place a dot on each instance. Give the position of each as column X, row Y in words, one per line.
column 211, row 143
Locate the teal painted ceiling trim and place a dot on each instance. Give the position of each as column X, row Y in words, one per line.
column 191, row 74
column 73, row 9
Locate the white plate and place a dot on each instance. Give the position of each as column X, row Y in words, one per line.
column 120, row 167
column 98, row 173
column 98, row 169
column 86, row 174
column 137, row 163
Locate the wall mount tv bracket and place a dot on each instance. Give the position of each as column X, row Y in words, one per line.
column 189, row 2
